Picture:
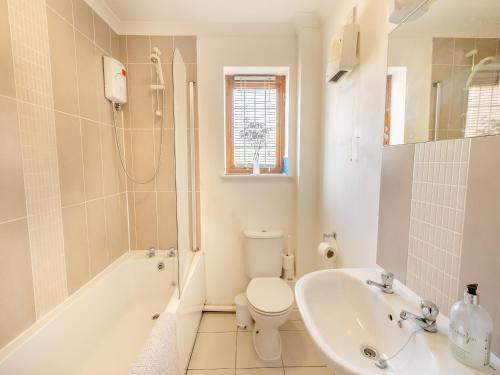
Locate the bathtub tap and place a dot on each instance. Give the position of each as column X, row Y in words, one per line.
column 151, row 252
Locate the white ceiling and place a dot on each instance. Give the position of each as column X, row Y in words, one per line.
column 479, row 18
column 214, row 11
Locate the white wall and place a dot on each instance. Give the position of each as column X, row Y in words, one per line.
column 414, row 53
column 230, row 205
column 398, row 104
column 309, row 83
column 350, row 190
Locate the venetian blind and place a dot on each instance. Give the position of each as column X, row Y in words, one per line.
column 483, row 106
column 256, row 110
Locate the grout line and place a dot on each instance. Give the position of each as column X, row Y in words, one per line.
column 236, row 351
column 155, row 181
column 49, row 62
column 96, row 68
column 14, row 220
column 80, row 125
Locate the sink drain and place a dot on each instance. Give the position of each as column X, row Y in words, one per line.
column 369, row 352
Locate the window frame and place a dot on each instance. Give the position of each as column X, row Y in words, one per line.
column 280, row 82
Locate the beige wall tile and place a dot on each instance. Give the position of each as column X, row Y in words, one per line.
column 63, row 8
column 113, row 176
column 146, row 220
column 63, row 64
column 480, row 252
column 138, row 49
column 167, row 224
column 167, row 120
column 7, row 85
column 96, row 223
column 28, row 20
column 462, row 47
column 124, row 220
column 129, row 159
column 12, row 198
column 458, row 105
column 395, row 206
column 70, row 158
column 92, row 162
column 442, row 52
column 132, row 221
column 187, row 46
column 192, row 72
column 87, row 77
column 115, row 46
column 16, row 288
column 102, row 34
column 84, row 20
column 116, row 226
column 166, row 176
column 443, row 73
column 123, row 49
column 105, row 109
column 140, row 96
column 143, row 151
column 166, row 46
column 486, row 47
column 76, row 247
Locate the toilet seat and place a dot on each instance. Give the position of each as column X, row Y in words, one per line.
column 269, row 295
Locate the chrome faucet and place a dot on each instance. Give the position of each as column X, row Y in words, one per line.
column 387, row 281
column 151, row 252
column 427, row 321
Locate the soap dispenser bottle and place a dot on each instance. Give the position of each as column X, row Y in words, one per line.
column 471, row 328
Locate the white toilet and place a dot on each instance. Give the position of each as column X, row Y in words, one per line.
column 270, row 299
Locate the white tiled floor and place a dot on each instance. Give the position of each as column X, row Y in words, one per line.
column 223, row 349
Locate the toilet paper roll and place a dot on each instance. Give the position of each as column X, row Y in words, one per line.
column 288, row 266
column 327, row 251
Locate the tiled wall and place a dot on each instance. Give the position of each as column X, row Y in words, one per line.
column 152, row 206
column 64, row 215
column 37, row 136
column 453, row 231
column 481, row 240
column 451, row 67
column 63, row 212
column 436, row 219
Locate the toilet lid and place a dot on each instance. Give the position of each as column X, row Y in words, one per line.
column 269, row 294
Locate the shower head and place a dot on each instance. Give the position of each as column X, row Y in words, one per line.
column 155, row 59
column 155, row 56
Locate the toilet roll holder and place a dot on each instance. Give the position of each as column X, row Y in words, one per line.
column 329, row 236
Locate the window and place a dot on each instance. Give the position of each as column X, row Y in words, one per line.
column 483, row 110
column 255, row 123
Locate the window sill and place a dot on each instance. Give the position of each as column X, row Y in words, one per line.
column 264, row 176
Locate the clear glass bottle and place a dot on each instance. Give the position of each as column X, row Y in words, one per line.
column 471, row 328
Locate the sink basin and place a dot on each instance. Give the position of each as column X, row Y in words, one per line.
column 353, row 324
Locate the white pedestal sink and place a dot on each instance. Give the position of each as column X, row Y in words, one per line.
column 350, row 321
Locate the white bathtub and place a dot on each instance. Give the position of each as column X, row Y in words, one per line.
column 102, row 328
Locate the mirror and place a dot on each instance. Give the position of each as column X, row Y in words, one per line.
column 443, row 73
